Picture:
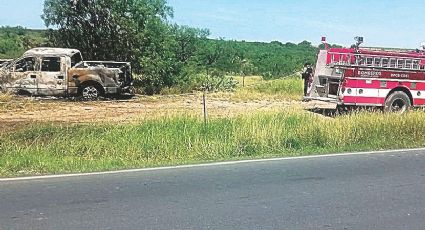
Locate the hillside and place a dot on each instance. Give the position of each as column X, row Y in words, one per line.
column 16, row 40
column 270, row 60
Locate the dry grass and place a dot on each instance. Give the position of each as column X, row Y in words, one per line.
column 249, row 80
column 260, row 95
column 59, row 136
column 287, row 89
column 6, row 97
column 10, row 102
column 24, row 111
column 182, row 139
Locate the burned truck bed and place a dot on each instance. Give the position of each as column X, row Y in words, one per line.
column 122, row 68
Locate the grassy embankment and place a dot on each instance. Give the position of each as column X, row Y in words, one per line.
column 177, row 139
column 45, row 149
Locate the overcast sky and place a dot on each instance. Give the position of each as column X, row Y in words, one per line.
column 390, row 23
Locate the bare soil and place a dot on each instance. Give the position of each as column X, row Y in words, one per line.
column 26, row 111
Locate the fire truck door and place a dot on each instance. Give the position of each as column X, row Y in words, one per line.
column 366, row 93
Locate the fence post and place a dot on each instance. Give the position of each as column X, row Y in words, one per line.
column 204, row 103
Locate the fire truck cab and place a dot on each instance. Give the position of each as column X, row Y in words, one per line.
column 393, row 79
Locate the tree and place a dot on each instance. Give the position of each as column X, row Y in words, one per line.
column 108, row 29
column 14, row 41
column 322, row 46
column 126, row 30
column 187, row 38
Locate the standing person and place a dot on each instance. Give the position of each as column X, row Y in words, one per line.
column 306, row 76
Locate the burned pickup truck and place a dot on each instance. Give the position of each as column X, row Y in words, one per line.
column 63, row 73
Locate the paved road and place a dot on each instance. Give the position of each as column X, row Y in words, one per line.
column 379, row 191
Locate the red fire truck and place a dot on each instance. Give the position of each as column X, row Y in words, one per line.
column 392, row 79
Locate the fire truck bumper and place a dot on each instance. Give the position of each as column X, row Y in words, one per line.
column 321, row 103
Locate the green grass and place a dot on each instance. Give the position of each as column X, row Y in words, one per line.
column 288, row 87
column 256, row 88
column 50, row 149
column 249, row 80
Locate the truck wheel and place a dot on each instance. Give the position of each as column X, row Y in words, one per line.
column 397, row 102
column 90, row 92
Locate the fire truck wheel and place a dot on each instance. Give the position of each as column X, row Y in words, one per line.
column 397, row 102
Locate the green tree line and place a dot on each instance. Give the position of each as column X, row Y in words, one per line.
column 16, row 40
column 162, row 54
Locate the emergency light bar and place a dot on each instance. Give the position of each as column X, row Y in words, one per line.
column 325, row 43
column 359, row 41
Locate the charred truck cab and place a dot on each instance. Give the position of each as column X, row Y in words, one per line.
column 389, row 78
column 62, row 72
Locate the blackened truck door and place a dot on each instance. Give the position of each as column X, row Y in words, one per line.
column 53, row 76
column 23, row 76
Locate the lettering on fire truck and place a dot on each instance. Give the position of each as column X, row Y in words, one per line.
column 370, row 73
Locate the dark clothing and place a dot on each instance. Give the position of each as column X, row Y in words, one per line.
column 306, row 76
column 305, row 86
column 308, row 72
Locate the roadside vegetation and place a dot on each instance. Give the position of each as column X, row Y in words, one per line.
column 202, row 62
column 9, row 101
column 165, row 57
column 169, row 60
column 6, row 97
column 65, row 148
column 256, row 88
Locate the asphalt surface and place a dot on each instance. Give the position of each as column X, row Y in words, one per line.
column 377, row 191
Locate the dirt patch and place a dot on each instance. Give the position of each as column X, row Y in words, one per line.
column 24, row 112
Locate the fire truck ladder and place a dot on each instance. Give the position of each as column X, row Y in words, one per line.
column 349, row 60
